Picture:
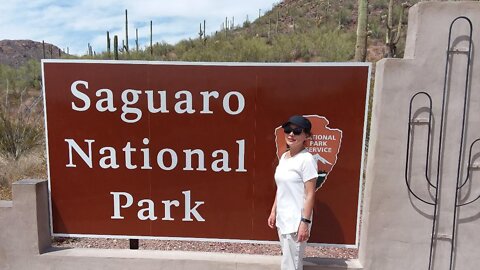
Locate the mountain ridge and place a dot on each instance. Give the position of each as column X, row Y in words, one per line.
column 292, row 30
column 16, row 53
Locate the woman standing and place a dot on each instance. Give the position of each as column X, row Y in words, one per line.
column 295, row 178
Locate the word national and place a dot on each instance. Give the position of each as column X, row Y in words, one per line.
column 166, row 159
column 156, row 101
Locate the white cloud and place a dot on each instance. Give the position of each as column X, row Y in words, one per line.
column 76, row 23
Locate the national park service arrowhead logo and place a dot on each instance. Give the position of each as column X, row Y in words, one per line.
column 324, row 145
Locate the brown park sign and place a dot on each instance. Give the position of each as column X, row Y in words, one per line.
column 188, row 151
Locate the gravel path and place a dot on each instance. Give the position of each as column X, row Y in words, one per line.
column 262, row 249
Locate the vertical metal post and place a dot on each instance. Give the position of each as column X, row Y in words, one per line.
column 460, row 152
column 134, row 243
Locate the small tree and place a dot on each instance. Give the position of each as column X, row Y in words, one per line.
column 20, row 131
column 393, row 35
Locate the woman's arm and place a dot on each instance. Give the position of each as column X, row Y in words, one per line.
column 273, row 214
column 303, row 232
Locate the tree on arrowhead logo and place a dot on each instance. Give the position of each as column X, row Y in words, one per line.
column 324, row 145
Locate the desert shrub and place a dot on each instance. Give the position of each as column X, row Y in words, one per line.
column 336, row 45
column 344, row 17
column 30, row 75
column 319, row 44
column 31, row 165
column 26, row 76
column 376, row 28
column 21, row 127
column 7, row 77
column 379, row 4
column 161, row 49
column 252, row 50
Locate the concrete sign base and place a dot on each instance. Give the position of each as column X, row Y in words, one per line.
column 397, row 226
column 25, row 243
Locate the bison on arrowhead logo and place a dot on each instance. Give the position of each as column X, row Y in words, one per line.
column 324, row 145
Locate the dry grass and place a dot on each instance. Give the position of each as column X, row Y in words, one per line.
column 21, row 138
column 5, row 193
column 32, row 165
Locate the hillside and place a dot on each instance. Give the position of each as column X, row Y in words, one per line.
column 16, row 53
column 293, row 30
column 299, row 18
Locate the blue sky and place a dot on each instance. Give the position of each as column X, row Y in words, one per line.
column 75, row 23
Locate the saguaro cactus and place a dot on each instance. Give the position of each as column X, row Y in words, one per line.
column 361, row 43
column 276, row 24
column 151, row 37
column 269, row 28
column 43, row 47
column 136, row 39
column 126, row 30
column 226, row 27
column 115, row 47
column 108, row 44
column 204, row 33
column 90, row 50
column 393, row 35
column 200, row 34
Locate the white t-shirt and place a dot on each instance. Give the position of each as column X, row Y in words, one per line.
column 290, row 176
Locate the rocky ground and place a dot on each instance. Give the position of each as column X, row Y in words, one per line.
column 262, row 249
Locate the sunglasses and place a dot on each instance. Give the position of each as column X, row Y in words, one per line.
column 296, row 131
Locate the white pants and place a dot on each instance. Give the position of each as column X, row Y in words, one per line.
column 292, row 252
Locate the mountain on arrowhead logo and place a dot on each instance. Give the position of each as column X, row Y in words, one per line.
column 324, row 145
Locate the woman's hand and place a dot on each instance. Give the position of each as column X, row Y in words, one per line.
column 303, row 234
column 272, row 220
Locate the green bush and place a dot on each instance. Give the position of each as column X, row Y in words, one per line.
column 21, row 127
column 379, row 4
column 318, row 44
column 17, row 79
